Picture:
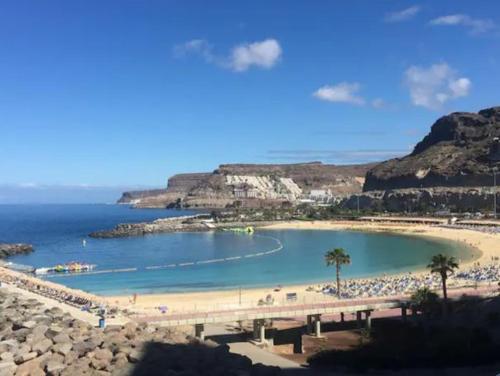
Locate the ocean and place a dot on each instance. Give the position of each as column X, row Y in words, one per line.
column 182, row 262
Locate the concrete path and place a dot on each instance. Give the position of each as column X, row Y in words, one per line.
column 255, row 353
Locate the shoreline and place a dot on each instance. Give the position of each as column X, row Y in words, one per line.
column 484, row 245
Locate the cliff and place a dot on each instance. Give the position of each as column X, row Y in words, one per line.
column 460, row 151
column 424, row 200
column 252, row 185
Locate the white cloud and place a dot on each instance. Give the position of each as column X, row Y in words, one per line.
column 433, row 86
column 264, row 54
column 344, row 92
column 378, row 103
column 402, row 15
column 196, row 46
column 475, row 25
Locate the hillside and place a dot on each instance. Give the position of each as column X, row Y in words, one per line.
column 459, row 151
column 253, row 185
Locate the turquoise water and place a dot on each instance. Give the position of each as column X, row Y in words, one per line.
column 200, row 261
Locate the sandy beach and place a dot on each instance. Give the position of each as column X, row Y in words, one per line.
column 484, row 247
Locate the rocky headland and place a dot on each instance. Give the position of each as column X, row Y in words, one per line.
column 251, row 185
column 11, row 249
column 461, row 150
column 37, row 341
column 451, row 168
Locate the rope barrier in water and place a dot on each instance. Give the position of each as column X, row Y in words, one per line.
column 187, row 263
column 211, row 261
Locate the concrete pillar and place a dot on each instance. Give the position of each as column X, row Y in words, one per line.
column 368, row 320
column 317, row 326
column 262, row 333
column 309, row 328
column 199, row 331
column 259, row 330
column 297, row 345
column 255, row 329
column 358, row 319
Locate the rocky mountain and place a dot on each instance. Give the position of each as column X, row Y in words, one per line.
column 253, row 185
column 460, row 151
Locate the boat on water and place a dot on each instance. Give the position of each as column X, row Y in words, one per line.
column 70, row 267
column 246, row 230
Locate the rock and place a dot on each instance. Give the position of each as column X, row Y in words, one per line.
column 98, row 364
column 62, row 348
column 42, row 346
column 70, row 357
column 82, row 348
column 459, row 151
column 6, row 357
column 29, row 368
column 39, row 330
column 7, row 250
column 135, row 356
column 53, row 367
column 29, row 324
column 103, row 354
column 7, row 368
column 61, row 338
column 24, row 357
column 130, row 329
column 54, row 330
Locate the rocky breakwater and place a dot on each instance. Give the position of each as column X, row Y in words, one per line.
column 8, row 249
column 176, row 224
column 36, row 341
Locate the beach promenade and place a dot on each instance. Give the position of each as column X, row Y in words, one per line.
column 312, row 312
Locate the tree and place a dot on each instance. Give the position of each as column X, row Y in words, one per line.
column 424, row 300
column 337, row 257
column 444, row 266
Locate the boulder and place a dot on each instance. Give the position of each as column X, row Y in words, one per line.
column 53, row 367
column 29, row 324
column 61, row 338
column 103, row 354
column 24, row 357
column 62, row 348
column 7, row 368
column 42, row 346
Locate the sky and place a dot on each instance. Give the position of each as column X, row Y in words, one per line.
column 108, row 95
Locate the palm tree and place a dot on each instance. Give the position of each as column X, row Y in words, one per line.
column 337, row 257
column 444, row 266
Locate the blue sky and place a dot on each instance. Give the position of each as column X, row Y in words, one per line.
column 127, row 93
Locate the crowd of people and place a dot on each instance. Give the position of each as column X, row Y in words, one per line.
column 485, row 229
